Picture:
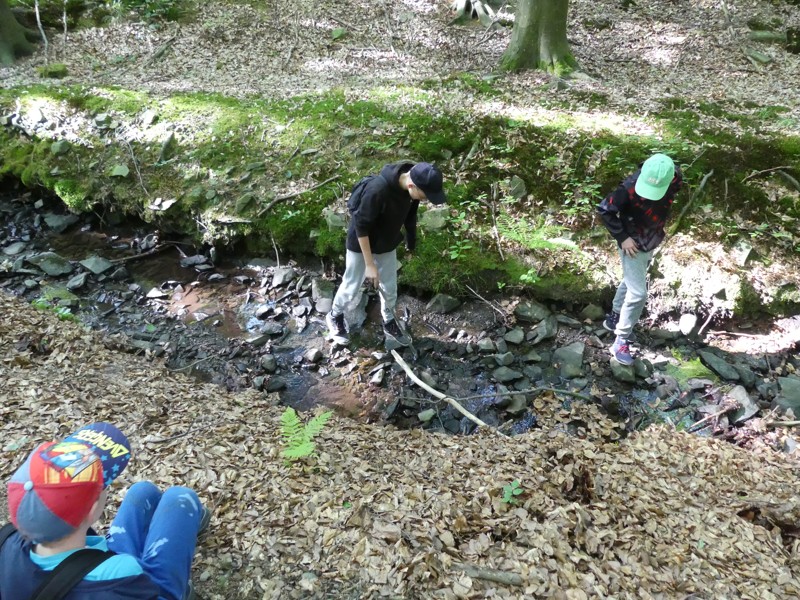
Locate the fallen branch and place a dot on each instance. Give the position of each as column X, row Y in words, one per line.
column 790, row 179
column 439, row 394
column 708, row 320
column 295, row 194
column 493, row 575
column 489, row 304
column 757, row 173
column 694, row 426
column 41, row 31
column 127, row 259
column 297, row 149
column 782, row 423
column 737, row 334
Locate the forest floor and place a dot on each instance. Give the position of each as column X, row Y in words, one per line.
column 402, row 514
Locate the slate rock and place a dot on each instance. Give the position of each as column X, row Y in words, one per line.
column 592, row 312
column 77, row 282
column 434, row 219
column 504, row 374
column 643, row 368
column 748, row 407
column 518, row 403
column 194, row 260
column 718, row 365
column 272, row 328
column 746, row 375
column 60, row 147
column 97, row 264
column 486, row 345
column 314, row 355
column 515, row 336
column 323, row 305
column 665, row 334
column 269, row 363
column 569, row 321
column 377, row 378
column 51, row 263
column 334, row 219
column 426, row 415
column 531, row 311
column 532, row 356
column 322, row 289
column 282, row 276
column 15, row 248
column 505, row 359
column 428, row 379
column 622, row 372
column 546, row 329
column 275, row 384
column 60, row 223
column 442, row 304
column 571, row 359
column 789, row 397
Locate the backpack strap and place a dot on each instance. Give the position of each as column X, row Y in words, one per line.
column 6, row 532
column 69, row 573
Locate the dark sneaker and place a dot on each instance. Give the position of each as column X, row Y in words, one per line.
column 337, row 332
column 393, row 332
column 621, row 352
column 611, row 321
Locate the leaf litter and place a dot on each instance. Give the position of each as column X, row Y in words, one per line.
column 384, row 513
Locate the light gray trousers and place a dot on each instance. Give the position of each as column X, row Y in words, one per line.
column 349, row 293
column 631, row 296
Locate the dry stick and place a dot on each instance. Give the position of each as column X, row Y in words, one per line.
column 738, row 334
column 295, row 194
column 489, row 304
column 439, row 394
column 757, row 173
column 127, row 259
column 503, row 577
column 136, row 166
column 41, row 31
column 782, row 423
column 708, row 320
column 64, row 19
column 492, row 207
column 532, row 391
column 275, row 247
column 291, row 156
column 693, row 427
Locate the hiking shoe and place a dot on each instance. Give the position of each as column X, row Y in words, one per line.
column 611, row 321
column 337, row 332
column 392, row 331
column 621, row 352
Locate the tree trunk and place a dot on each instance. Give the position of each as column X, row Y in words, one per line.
column 539, row 39
column 14, row 38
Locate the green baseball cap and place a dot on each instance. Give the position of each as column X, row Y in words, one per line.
column 657, row 173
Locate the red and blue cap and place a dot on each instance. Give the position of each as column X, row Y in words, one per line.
column 51, row 494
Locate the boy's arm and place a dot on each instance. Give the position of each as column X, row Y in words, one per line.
column 411, row 226
column 609, row 210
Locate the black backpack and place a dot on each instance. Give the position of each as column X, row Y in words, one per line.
column 69, row 573
column 358, row 189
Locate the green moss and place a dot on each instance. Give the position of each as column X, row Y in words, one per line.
column 690, row 369
column 52, row 71
column 73, row 194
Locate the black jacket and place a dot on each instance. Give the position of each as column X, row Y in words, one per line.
column 627, row 215
column 384, row 209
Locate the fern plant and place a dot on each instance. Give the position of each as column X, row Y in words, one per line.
column 298, row 436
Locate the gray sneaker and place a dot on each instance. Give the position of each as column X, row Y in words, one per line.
column 337, row 332
column 393, row 332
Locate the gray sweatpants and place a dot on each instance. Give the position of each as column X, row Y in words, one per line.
column 631, row 296
column 349, row 293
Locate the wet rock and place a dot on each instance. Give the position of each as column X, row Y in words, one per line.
column 119, row 274
column 486, row 345
column 15, row 248
column 97, row 264
column 282, row 276
column 533, row 373
column 442, row 304
column 434, row 219
column 546, row 329
column 275, row 384
column 191, row 261
column 698, row 383
column 426, row 415
column 643, row 368
column 30, row 284
column 60, row 223
column 571, row 360
column 515, row 336
column 667, row 389
column 768, row 389
column 51, row 263
column 718, row 365
column 77, row 282
column 504, row 374
column 568, row 321
column 313, row 356
column 748, row 407
column 789, row 397
column 269, row 363
column 272, row 328
column 518, row 403
column 687, row 323
column 299, row 311
column 505, row 359
column 746, row 376
column 592, row 312
column 531, row 311
column 532, row 356
column 258, row 382
column 622, row 372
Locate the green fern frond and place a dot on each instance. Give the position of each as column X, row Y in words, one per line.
column 315, row 425
column 299, row 451
column 298, row 437
column 291, row 426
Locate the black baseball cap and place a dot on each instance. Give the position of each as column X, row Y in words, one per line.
column 429, row 179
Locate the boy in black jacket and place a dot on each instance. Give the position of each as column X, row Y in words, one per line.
column 635, row 214
column 387, row 203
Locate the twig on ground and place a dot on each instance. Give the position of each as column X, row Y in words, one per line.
column 492, row 208
column 193, row 364
column 160, row 50
column 297, row 149
column 136, row 166
column 531, row 391
column 694, row 426
column 295, row 194
column 127, row 259
column 275, row 247
column 493, row 575
column 738, row 334
column 708, row 320
column 488, row 303
column 439, row 394
column 782, row 423
column 41, row 31
column 757, row 173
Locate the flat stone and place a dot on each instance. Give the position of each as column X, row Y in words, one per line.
column 665, row 334
column 314, row 355
column 51, row 263
column 15, row 248
column 97, row 264
column 377, row 378
column 517, row 404
column 515, row 336
column 531, row 311
column 571, row 359
column 271, row 328
column 532, row 356
column 275, row 384
column 282, row 276
column 434, row 219
column 157, row 293
column 323, row 305
column 486, row 345
column 718, row 365
column 592, row 312
column 269, row 363
column 442, row 304
column 60, row 223
column 789, row 397
column 77, row 282
column 322, row 289
column 504, row 374
column 426, row 415
column 568, row 321
column 746, row 375
column 334, row 219
column 622, row 372
column 748, row 407
column 194, row 260
column 642, row 368
column 505, row 359
column 428, row 379
column 546, row 329
column 60, row 147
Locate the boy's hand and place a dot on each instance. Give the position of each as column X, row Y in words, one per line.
column 371, row 275
column 629, row 247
